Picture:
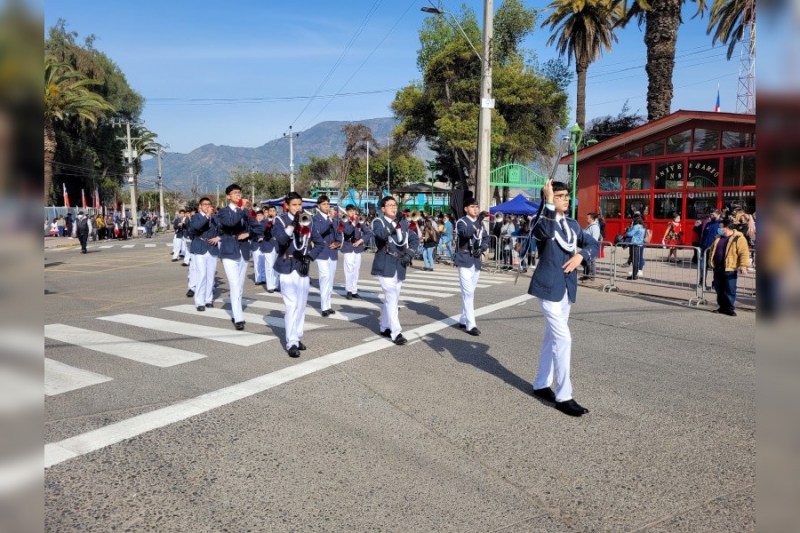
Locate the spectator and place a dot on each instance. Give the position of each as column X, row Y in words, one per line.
column 673, row 236
column 82, row 229
column 706, row 240
column 62, row 224
column 593, row 230
column 636, row 234
column 729, row 256
column 54, row 228
column 430, row 239
column 446, row 238
column 507, row 241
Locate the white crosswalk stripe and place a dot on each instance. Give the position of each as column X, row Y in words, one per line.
column 106, row 246
column 453, row 275
column 147, row 353
column 227, row 335
column 128, row 245
column 310, row 311
column 335, row 300
column 60, row 378
column 251, row 318
column 412, row 289
column 149, row 245
column 369, row 295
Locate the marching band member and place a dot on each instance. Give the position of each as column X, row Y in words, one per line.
column 555, row 283
column 235, row 247
column 258, row 243
column 205, row 250
column 396, row 246
column 327, row 226
column 356, row 233
column 295, row 235
column 271, row 251
column 472, row 242
column 187, row 238
column 179, row 225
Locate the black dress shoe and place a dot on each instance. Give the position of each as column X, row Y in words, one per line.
column 386, row 333
column 325, row 312
column 270, row 291
column 349, row 296
column 302, row 347
column 571, row 408
column 210, row 304
column 462, row 326
column 331, row 312
column 356, row 296
column 474, row 332
column 175, row 260
column 239, row 325
column 545, row 394
column 189, row 293
column 201, row 308
column 294, row 351
column 400, row 340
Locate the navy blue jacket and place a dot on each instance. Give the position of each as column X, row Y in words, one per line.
column 709, row 234
column 292, row 248
column 549, row 280
column 233, row 222
column 203, row 229
column 354, row 231
column 328, row 229
column 471, row 237
column 261, row 236
column 390, row 248
column 180, row 225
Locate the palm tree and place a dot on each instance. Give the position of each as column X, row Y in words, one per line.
column 583, row 29
column 731, row 17
column 662, row 19
column 66, row 94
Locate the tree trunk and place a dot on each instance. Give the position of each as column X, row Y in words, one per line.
column 580, row 105
column 661, row 37
column 49, row 157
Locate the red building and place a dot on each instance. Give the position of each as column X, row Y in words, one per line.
column 685, row 163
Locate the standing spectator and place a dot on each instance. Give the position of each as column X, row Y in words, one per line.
column 636, row 234
column 148, row 228
column 507, row 241
column 68, row 225
column 673, row 236
column 446, row 238
column 82, row 229
column 62, row 224
column 430, row 239
column 706, row 240
column 54, row 228
column 729, row 256
column 593, row 230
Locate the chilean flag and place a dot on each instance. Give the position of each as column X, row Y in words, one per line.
column 83, row 198
column 716, row 107
column 66, row 196
column 96, row 200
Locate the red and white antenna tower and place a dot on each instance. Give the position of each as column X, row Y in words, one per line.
column 746, row 92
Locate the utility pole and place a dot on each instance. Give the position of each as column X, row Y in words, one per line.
column 291, row 136
column 389, row 163
column 160, row 187
column 217, row 194
column 367, row 171
column 487, row 104
column 131, row 176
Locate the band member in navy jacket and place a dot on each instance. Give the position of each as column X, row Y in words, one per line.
column 396, row 246
column 235, row 247
column 555, row 283
column 180, row 223
column 270, row 250
column 356, row 233
column 327, row 225
column 205, row 249
column 298, row 245
column 259, row 241
column 473, row 240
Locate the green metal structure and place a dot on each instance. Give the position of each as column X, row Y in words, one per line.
column 516, row 176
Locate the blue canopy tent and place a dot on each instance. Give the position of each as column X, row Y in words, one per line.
column 519, row 205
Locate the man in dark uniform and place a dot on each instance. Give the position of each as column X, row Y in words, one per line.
column 298, row 245
column 179, row 224
column 235, row 247
column 473, row 240
column 259, row 240
column 327, row 226
column 555, row 283
column 356, row 233
column 205, row 250
column 396, row 246
column 270, row 251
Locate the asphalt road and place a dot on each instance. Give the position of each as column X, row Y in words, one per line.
column 154, row 424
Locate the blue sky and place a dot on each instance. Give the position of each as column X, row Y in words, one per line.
column 239, row 73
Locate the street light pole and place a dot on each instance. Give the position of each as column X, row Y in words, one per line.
column 291, row 136
column 575, row 137
column 487, row 104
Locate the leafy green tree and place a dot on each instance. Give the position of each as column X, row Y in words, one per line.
column 582, row 29
column 730, row 18
column 603, row 128
column 661, row 19
column 66, row 96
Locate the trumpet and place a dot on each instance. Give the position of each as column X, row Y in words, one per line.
column 362, row 220
column 498, row 217
column 305, row 220
column 413, row 216
column 270, row 219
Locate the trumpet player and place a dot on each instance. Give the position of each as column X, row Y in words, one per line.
column 473, row 241
column 327, row 226
column 298, row 245
column 271, row 251
column 356, row 232
column 235, row 247
column 258, row 245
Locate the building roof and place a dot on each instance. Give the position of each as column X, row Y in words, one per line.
column 419, row 188
column 670, row 121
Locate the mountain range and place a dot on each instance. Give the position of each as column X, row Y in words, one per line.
column 212, row 164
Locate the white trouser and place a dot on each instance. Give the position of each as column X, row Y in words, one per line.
column 205, row 266
column 272, row 276
column 192, row 273
column 187, row 257
column 468, row 278
column 235, row 271
column 294, row 289
column 258, row 265
column 352, row 265
column 177, row 245
column 390, row 315
column 327, row 271
column 556, row 348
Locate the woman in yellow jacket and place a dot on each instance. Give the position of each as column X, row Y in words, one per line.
column 729, row 256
